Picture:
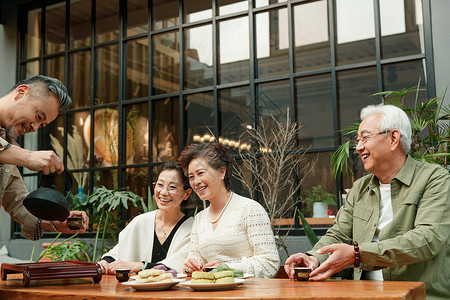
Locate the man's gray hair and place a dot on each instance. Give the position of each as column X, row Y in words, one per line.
column 42, row 86
column 392, row 117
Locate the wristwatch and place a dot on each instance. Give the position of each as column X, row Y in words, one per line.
column 4, row 144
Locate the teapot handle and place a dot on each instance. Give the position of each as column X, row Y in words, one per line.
column 68, row 175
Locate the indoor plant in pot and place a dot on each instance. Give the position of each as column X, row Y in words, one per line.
column 317, row 201
column 106, row 205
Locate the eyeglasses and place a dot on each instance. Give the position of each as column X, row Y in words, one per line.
column 171, row 188
column 364, row 139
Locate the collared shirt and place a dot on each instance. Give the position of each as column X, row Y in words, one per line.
column 3, row 141
column 415, row 245
column 12, row 193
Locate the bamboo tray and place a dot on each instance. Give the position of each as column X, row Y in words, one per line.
column 53, row 270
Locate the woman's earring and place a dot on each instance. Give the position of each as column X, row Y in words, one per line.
column 223, row 178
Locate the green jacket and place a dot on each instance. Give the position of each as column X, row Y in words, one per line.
column 415, row 245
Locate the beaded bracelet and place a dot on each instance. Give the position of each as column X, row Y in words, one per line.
column 357, row 258
column 38, row 232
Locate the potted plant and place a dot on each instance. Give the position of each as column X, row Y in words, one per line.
column 66, row 250
column 105, row 205
column 317, row 201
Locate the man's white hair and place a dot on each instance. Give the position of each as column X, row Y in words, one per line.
column 392, row 117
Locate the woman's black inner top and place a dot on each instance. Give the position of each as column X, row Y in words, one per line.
column 160, row 251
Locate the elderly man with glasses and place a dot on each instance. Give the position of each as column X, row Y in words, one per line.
column 395, row 223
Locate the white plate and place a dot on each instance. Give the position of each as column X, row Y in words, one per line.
column 213, row 286
column 179, row 275
column 247, row 275
column 153, row 286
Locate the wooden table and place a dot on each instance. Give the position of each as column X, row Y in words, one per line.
column 253, row 288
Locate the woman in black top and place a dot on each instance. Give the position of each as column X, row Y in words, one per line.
column 157, row 237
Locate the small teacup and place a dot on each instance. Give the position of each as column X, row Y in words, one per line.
column 75, row 223
column 302, row 273
column 122, row 275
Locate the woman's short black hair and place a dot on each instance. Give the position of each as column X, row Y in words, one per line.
column 176, row 165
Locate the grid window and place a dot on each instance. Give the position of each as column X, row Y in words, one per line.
column 149, row 78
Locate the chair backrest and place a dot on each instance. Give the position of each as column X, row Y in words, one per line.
column 281, row 273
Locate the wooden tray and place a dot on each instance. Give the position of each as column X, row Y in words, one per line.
column 53, row 270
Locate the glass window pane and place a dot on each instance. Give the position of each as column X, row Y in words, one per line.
column 136, row 181
column 199, row 111
column 80, row 177
column 355, row 31
column 32, row 68
column 165, row 14
column 137, row 133
column 78, row 141
column 137, row 68
column 165, row 129
column 54, row 67
column 80, row 23
column 80, row 86
column 320, row 174
column 196, row 10
column 274, row 100
column 312, row 41
column 399, row 76
column 33, row 33
column 231, row 6
column 54, row 130
column 77, row 149
column 166, row 63
column 260, row 3
column 107, row 74
column 106, row 137
column 235, row 112
column 198, row 64
column 401, row 28
column 272, row 43
column 234, row 52
column 315, row 101
column 355, row 90
column 106, row 20
column 55, row 28
column 106, row 178
column 137, row 17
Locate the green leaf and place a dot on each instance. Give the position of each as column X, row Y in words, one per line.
column 339, row 160
column 312, row 237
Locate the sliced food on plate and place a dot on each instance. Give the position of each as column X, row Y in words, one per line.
column 152, row 275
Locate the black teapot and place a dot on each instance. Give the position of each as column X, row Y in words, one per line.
column 48, row 203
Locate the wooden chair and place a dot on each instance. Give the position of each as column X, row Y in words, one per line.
column 281, row 273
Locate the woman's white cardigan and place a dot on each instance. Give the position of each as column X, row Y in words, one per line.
column 136, row 242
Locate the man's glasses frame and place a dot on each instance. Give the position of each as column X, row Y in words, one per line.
column 365, row 138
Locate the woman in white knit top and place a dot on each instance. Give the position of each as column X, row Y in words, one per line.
column 233, row 230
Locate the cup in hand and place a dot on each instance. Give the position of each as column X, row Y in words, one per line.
column 302, row 273
column 75, row 223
